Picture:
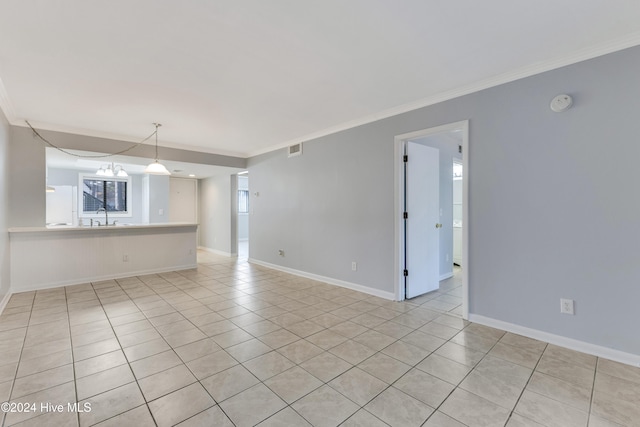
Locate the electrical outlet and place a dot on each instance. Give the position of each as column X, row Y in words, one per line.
column 566, row 306
column 354, row 266
column 280, row 252
column 125, row 258
column 160, row 211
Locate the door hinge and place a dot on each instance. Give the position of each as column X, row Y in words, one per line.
column 460, row 149
column 406, row 273
column 405, row 215
column 405, row 158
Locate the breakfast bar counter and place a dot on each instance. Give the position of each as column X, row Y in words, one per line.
column 46, row 257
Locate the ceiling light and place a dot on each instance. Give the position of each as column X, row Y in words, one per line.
column 243, row 173
column 192, row 175
column 112, row 170
column 156, row 168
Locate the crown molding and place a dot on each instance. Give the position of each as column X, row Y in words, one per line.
column 520, row 73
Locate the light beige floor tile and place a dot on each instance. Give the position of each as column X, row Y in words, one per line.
column 359, row 386
column 95, row 349
column 165, row 382
column 581, row 359
column 197, row 349
column 619, row 370
column 229, row 382
column 524, row 343
column 326, row 339
column 180, row 405
column 268, row 365
column 138, row 337
column 424, row 387
column 352, row 352
column 515, row 355
column 41, row 381
column 45, row 348
column 325, row 407
column 279, row 338
column 139, row 417
column 363, row 418
column 51, row 419
column 103, row 381
column 325, row 366
column 154, row 364
column 596, row 421
column 286, row 417
column 182, row 338
column 374, row 339
column 262, row 401
column 476, row 342
column 292, row 384
column 248, row 350
column 473, row 410
column 567, row 371
column 460, row 354
column 300, row 351
column 517, row 420
column 438, row 419
column 438, row 330
column 305, row 328
column 348, row 329
column 495, row 390
column 407, row 353
column 563, row 391
column 549, row 412
column 423, row 340
column 111, row 403
column 444, row 368
column 211, row 364
column 384, row 367
column 210, row 417
column 233, row 337
column 146, row 349
column 394, row 330
column 398, row 408
column 43, row 363
column 616, row 399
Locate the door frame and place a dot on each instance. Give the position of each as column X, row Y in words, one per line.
column 399, row 186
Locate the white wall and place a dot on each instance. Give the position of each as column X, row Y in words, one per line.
column 552, row 211
column 69, row 177
column 215, row 204
column 5, row 136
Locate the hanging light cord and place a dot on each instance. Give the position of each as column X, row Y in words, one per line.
column 97, row 156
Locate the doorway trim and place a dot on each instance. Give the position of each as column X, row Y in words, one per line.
column 399, row 186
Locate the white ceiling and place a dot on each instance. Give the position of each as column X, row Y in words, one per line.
column 245, row 76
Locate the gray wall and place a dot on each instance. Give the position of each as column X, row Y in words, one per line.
column 158, row 198
column 553, row 211
column 27, row 168
column 5, row 136
column 215, row 205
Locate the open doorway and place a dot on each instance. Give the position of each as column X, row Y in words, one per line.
column 425, row 212
column 243, row 215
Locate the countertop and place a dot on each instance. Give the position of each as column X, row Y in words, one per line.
column 119, row 227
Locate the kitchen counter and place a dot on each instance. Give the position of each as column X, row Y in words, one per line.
column 46, row 257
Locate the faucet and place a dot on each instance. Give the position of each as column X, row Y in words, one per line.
column 106, row 215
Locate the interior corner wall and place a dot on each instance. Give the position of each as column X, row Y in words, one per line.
column 27, row 169
column 553, row 210
column 215, row 214
column 5, row 185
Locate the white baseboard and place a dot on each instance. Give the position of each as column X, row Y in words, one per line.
column 217, row 252
column 329, row 280
column 5, row 301
column 582, row 346
column 50, row 285
column 446, row 276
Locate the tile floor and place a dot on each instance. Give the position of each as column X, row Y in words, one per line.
column 232, row 343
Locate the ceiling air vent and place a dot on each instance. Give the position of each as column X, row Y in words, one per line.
column 294, row 150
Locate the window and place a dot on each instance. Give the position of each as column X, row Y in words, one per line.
column 243, row 201
column 112, row 194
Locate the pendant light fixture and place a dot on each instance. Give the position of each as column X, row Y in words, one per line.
column 156, row 168
column 112, row 170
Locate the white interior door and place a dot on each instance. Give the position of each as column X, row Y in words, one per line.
column 422, row 230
